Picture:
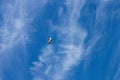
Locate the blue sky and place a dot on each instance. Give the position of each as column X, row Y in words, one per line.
column 86, row 40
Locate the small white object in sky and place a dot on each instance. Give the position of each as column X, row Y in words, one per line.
column 50, row 40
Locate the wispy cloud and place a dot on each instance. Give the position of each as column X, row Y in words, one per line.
column 56, row 64
column 45, row 64
column 16, row 21
column 14, row 32
column 13, row 28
